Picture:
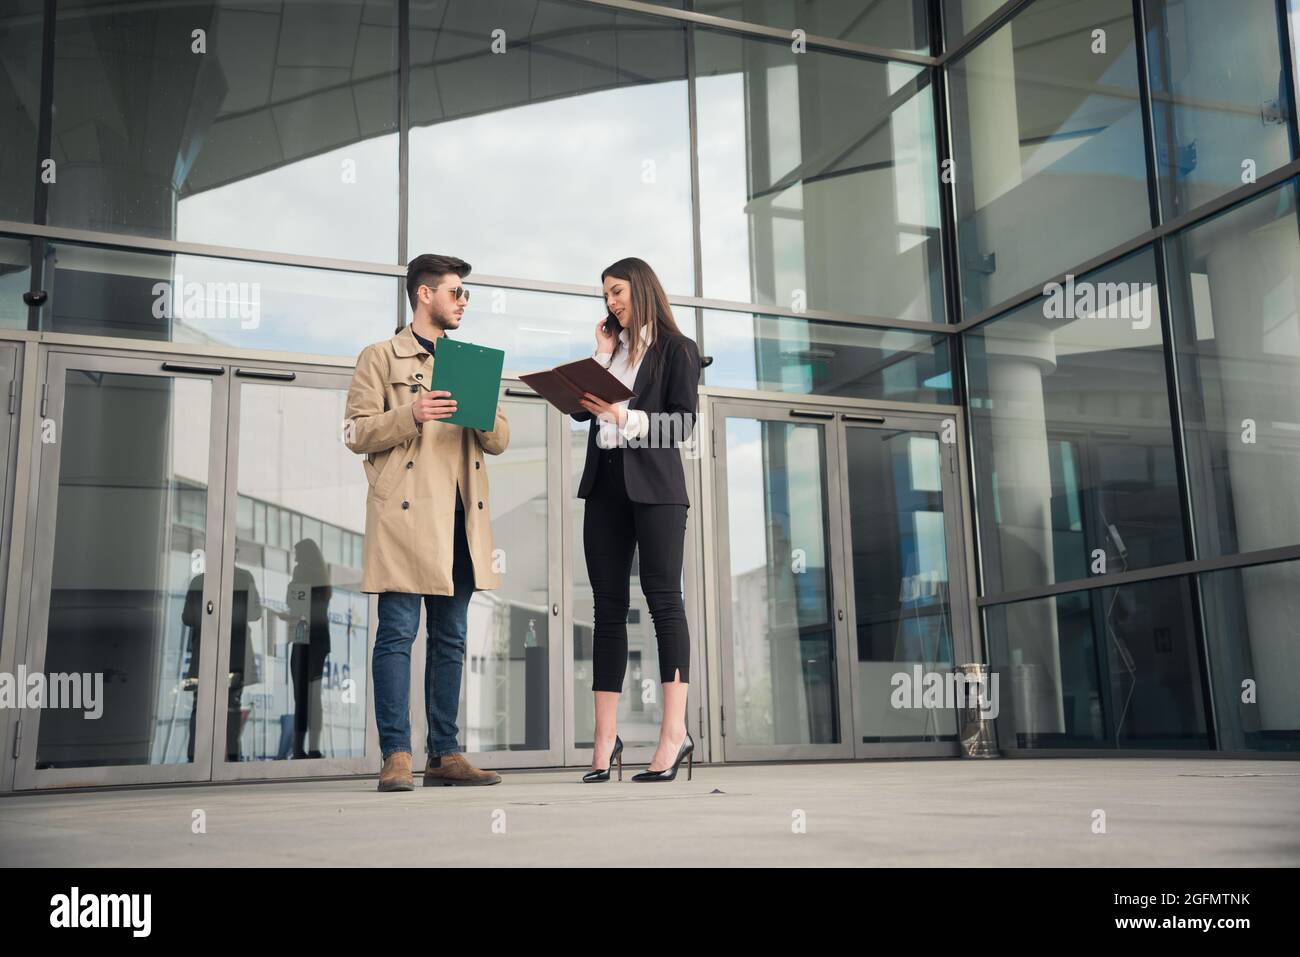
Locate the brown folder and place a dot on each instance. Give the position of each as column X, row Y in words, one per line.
column 564, row 385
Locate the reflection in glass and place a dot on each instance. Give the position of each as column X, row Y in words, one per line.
column 1048, row 151
column 1214, row 70
column 1110, row 668
column 15, row 279
column 640, row 707
column 961, row 17
column 561, row 153
column 297, row 667
column 537, row 330
column 787, row 354
column 505, row 698
column 20, row 106
column 782, row 634
column 229, row 302
column 1250, row 623
column 130, row 536
column 818, row 180
column 1235, row 293
column 283, row 127
column 900, row 579
column 1074, row 458
column 895, row 24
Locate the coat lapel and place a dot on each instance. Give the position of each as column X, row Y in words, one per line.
column 643, row 373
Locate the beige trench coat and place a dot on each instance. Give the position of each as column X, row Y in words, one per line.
column 413, row 470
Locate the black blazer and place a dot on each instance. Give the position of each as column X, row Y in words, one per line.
column 667, row 381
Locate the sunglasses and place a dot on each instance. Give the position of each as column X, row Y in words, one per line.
column 456, row 293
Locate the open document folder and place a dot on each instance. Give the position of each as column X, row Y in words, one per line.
column 564, row 385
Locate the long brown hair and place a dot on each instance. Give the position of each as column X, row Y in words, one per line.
column 649, row 305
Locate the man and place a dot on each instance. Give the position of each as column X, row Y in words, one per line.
column 428, row 529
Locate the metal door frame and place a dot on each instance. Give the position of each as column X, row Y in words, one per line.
column 720, row 409
column 962, row 624
column 306, row 377
column 54, row 365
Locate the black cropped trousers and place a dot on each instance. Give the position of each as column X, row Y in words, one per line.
column 614, row 527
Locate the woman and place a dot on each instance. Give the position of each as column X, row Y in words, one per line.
column 635, row 489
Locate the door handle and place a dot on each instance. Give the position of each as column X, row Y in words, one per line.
column 555, row 609
column 523, row 393
column 839, row 613
column 266, row 374
column 850, row 417
column 210, row 606
column 184, row 367
column 812, row 414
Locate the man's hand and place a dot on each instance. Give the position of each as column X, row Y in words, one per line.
column 433, row 405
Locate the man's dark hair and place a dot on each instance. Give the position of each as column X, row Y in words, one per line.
column 428, row 270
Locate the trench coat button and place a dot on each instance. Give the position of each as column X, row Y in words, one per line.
column 406, row 505
column 410, row 465
column 480, row 504
column 478, row 465
column 414, row 387
column 419, row 375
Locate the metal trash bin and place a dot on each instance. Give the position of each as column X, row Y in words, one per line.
column 975, row 732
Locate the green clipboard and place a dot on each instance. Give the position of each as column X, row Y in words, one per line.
column 472, row 374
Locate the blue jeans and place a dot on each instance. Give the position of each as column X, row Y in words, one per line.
column 399, row 620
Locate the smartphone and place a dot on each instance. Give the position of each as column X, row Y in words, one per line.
column 612, row 326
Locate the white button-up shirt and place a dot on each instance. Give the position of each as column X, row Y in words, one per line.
column 638, row 422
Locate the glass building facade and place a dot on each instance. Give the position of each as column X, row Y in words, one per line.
column 1001, row 309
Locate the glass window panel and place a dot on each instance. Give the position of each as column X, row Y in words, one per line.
column 283, row 128
column 558, row 156
column 786, row 354
column 1217, row 115
column 1110, row 668
column 1235, row 293
column 903, row 619
column 1073, row 446
column 896, row 24
column 537, row 330
column 818, row 180
column 21, row 24
column 1050, row 167
column 195, row 299
column 15, row 279
column 298, row 633
column 1250, row 616
column 125, row 601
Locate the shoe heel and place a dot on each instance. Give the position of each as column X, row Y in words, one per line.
column 620, row 765
column 690, row 760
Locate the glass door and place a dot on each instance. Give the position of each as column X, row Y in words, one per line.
column 640, row 706
column 904, row 546
column 126, row 580
column 783, row 631
column 840, row 559
column 293, row 693
column 511, row 686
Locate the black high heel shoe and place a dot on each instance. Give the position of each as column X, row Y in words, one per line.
column 591, row 777
column 669, row 774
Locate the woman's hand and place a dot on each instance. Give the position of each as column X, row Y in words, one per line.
column 605, row 341
column 604, row 410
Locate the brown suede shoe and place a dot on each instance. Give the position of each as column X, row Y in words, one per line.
column 396, row 773
column 453, row 769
